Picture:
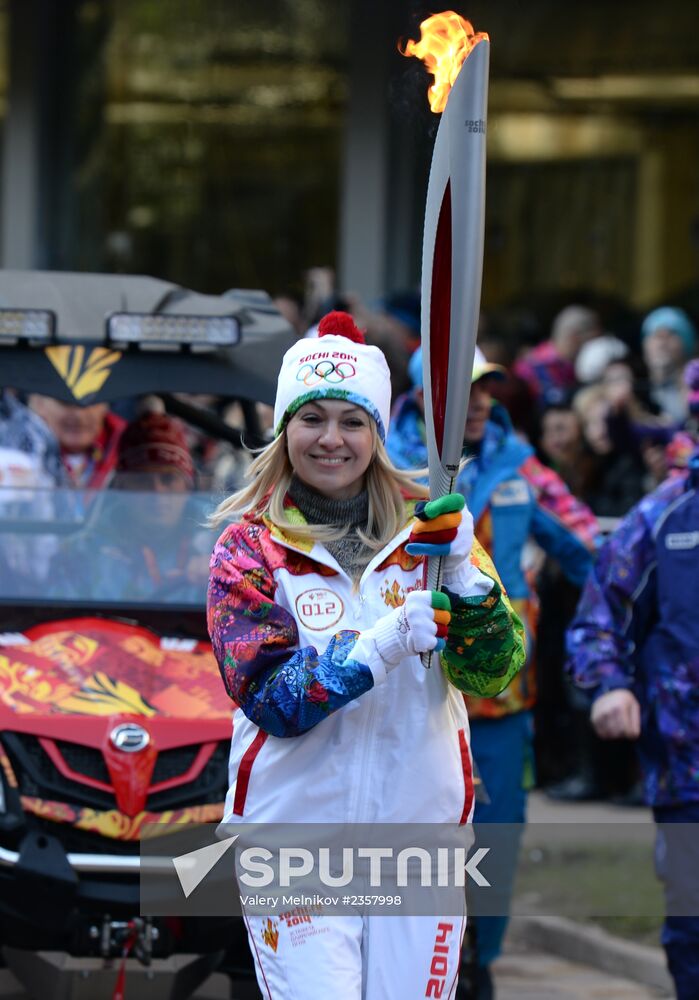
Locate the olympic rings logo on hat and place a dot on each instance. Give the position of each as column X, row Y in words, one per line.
column 325, row 371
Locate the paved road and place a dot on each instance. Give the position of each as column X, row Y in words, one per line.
column 523, row 975
column 538, row 976
column 518, row 976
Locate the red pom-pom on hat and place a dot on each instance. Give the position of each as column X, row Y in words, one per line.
column 340, row 324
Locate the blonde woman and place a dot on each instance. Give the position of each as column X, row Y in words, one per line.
column 318, row 617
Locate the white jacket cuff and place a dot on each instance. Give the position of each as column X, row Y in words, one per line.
column 467, row 581
column 380, row 647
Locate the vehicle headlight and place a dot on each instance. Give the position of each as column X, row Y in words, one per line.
column 33, row 325
column 157, row 332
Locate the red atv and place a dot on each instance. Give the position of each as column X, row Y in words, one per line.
column 112, row 711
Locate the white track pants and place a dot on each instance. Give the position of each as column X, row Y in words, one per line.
column 301, row 956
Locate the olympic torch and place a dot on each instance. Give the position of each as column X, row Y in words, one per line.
column 452, row 249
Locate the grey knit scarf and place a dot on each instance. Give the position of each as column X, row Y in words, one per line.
column 351, row 553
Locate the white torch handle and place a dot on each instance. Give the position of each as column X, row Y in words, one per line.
column 452, row 267
column 435, row 564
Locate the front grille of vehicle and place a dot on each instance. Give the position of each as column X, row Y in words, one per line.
column 38, row 777
column 208, row 788
column 174, row 762
column 84, row 760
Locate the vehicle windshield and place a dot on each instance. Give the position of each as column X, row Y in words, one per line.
column 134, row 547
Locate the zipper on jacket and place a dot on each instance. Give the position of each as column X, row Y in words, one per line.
column 358, row 608
column 367, row 739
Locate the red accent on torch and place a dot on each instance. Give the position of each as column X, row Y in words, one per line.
column 440, row 316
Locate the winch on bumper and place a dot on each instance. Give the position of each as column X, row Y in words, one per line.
column 53, row 904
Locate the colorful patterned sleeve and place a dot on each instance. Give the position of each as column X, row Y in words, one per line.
column 563, row 526
column 283, row 689
column 524, row 370
column 617, row 598
column 485, row 645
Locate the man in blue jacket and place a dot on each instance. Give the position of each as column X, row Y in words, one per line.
column 634, row 647
column 513, row 498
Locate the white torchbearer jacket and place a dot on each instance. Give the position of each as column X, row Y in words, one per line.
column 325, row 731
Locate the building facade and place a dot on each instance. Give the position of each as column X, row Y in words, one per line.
column 232, row 143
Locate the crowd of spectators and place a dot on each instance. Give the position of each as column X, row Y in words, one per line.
column 613, row 418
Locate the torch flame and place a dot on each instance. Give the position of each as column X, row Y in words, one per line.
column 445, row 41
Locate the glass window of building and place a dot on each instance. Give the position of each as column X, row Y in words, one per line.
column 206, row 135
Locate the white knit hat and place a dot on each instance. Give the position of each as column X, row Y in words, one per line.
column 596, row 354
column 338, row 364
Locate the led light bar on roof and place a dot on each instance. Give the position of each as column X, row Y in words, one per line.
column 199, row 333
column 32, row 325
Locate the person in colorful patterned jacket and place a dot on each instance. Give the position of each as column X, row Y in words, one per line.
column 549, row 368
column 634, row 648
column 317, row 616
column 513, row 498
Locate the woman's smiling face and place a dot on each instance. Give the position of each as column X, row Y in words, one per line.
column 330, row 445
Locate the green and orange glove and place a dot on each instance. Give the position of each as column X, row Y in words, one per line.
column 444, row 527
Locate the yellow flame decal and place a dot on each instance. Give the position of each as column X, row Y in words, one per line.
column 115, row 825
column 141, row 647
column 84, row 376
column 103, row 695
column 270, row 934
column 66, row 647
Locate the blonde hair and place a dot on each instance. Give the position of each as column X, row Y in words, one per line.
column 585, row 399
column 270, row 475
